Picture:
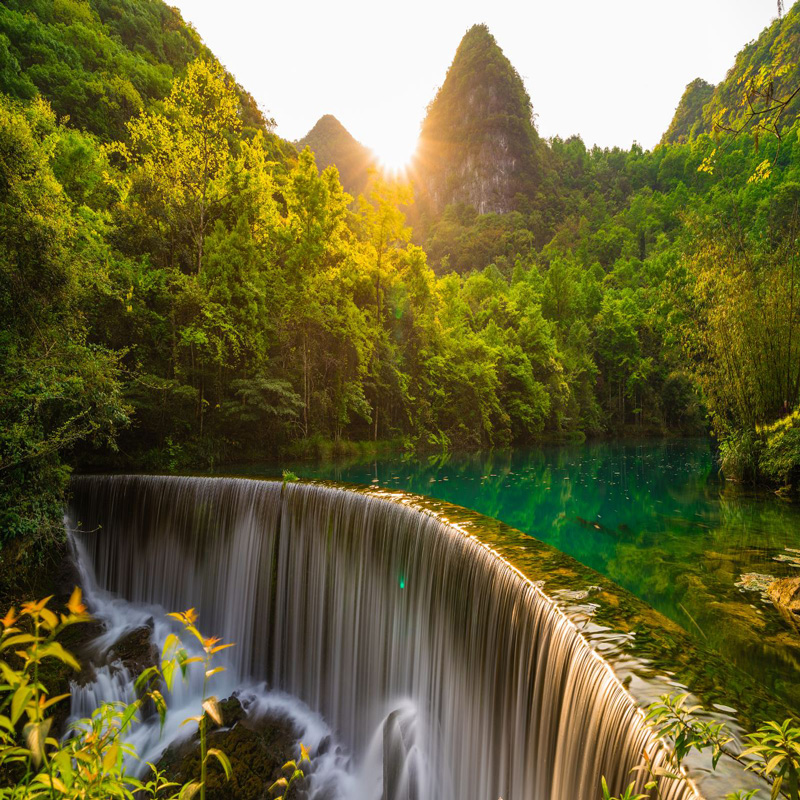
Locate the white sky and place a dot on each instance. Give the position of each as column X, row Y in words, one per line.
column 610, row 71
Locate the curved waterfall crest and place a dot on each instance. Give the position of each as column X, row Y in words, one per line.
column 445, row 670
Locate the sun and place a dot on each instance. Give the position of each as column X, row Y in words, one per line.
column 395, row 152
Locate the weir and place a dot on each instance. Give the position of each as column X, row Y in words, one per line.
column 446, row 673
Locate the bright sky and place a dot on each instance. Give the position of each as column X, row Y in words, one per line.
column 610, row 71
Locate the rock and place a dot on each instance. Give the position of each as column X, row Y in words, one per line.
column 136, row 649
column 478, row 146
column 785, row 593
column 256, row 747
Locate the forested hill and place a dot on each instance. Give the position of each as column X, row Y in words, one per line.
column 478, row 144
column 99, row 62
column 180, row 288
column 765, row 71
column 688, row 119
column 333, row 144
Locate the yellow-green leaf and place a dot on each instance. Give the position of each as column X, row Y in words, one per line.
column 189, row 790
column 281, row 783
column 53, row 782
column 19, row 701
column 223, row 760
column 110, row 757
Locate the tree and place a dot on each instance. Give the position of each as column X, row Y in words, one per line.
column 182, row 158
column 56, row 388
column 382, row 227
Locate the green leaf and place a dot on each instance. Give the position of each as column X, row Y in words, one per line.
column 55, row 650
column 144, row 677
column 773, row 762
column 168, row 671
column 110, row 757
column 128, row 715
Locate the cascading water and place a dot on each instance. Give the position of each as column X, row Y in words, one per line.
column 446, row 673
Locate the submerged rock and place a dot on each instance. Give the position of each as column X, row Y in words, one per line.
column 257, row 747
column 785, row 593
column 791, row 555
column 755, row 582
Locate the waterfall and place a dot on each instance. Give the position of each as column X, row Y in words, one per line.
column 447, row 674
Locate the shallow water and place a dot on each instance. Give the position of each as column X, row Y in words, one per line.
column 654, row 517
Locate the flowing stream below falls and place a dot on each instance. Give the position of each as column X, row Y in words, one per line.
column 436, row 668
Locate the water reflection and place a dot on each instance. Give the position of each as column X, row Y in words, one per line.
column 653, row 517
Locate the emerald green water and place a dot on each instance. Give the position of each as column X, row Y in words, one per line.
column 653, row 517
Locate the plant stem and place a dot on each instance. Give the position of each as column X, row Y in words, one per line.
column 203, row 757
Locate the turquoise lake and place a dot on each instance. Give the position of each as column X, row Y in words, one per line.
column 654, row 517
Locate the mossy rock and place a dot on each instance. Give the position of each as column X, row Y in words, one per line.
column 257, row 748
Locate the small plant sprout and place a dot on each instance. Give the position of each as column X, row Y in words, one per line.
column 628, row 794
column 674, row 720
column 772, row 752
column 289, row 477
column 174, row 656
column 292, row 774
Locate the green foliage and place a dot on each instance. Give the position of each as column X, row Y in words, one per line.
column 292, row 774
column 57, row 386
column 289, row 477
column 687, row 121
column 777, row 756
column 674, row 720
column 481, row 101
column 759, row 94
column 91, row 762
column 780, row 456
column 772, row 752
column 165, row 264
column 630, row 792
column 332, row 144
column 99, row 62
column 174, row 654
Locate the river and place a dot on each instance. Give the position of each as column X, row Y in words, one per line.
column 654, row 517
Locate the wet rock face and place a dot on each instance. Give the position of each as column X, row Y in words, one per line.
column 785, row 593
column 134, row 652
column 136, row 649
column 257, row 748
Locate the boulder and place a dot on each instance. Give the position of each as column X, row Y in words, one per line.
column 135, row 649
column 256, row 747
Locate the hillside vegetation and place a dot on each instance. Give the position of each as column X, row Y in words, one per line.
column 333, row 145
column 179, row 287
column 763, row 76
